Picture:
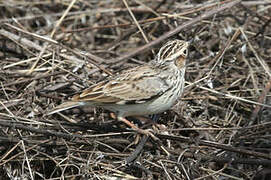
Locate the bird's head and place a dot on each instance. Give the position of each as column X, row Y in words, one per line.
column 173, row 52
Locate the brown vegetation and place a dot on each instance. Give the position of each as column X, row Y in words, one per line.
column 50, row 50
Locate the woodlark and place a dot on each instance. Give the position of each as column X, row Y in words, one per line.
column 148, row 89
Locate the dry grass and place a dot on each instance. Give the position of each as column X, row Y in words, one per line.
column 219, row 128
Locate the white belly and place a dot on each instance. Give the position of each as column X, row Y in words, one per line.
column 158, row 105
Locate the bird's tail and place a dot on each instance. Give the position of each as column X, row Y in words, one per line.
column 65, row 106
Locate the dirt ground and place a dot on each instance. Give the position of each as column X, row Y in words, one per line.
column 218, row 129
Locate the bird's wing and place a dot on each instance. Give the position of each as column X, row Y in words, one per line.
column 134, row 86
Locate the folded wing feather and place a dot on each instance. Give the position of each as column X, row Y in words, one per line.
column 138, row 84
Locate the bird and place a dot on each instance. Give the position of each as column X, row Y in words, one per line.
column 148, row 89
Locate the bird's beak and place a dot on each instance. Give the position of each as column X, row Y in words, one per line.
column 191, row 41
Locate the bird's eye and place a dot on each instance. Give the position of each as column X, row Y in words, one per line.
column 185, row 52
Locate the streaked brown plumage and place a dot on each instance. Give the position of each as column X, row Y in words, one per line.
column 147, row 89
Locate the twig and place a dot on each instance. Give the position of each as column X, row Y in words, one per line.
column 175, row 31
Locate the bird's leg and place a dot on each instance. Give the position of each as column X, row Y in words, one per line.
column 137, row 129
column 151, row 120
column 144, row 132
